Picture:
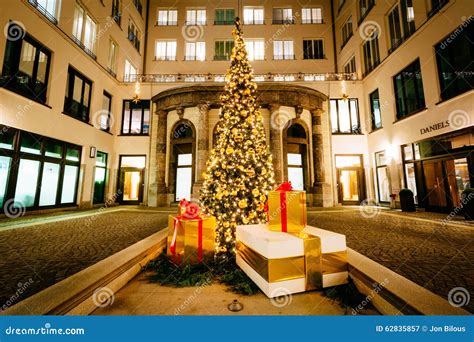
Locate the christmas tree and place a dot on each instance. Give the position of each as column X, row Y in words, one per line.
column 239, row 170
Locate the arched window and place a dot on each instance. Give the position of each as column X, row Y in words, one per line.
column 181, row 172
column 296, row 155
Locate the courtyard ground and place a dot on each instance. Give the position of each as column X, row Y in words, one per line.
column 38, row 251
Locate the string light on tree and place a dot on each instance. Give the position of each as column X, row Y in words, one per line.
column 239, row 170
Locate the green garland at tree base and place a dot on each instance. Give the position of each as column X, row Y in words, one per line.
column 164, row 272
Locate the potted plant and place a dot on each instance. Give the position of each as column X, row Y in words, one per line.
column 407, row 201
column 467, row 200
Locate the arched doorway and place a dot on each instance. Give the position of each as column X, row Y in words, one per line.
column 182, row 156
column 296, row 154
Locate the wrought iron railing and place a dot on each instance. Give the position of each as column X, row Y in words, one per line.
column 219, row 78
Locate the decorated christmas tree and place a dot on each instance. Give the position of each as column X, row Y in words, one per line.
column 239, row 170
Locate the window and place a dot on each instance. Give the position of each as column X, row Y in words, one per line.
column 253, row 16
column 167, row 18
column 195, row 51
column 408, row 86
column 223, row 50
column 78, row 95
column 104, row 119
column 376, row 117
column 130, row 72
column 283, row 16
column 382, row 174
column 100, row 177
column 224, row 16
column 350, row 66
column 138, row 5
column 311, row 16
column 295, row 170
column 134, row 35
column 112, row 62
column 401, row 23
column 196, row 17
column 364, row 8
column 136, row 117
column 371, row 53
column 345, row 116
column 84, row 30
column 165, row 50
column 283, row 49
column 184, row 174
column 116, row 11
column 347, row 31
column 435, row 6
column 41, row 176
column 26, row 66
column 409, row 170
column 255, row 49
column 454, row 61
column 313, row 49
column 49, row 8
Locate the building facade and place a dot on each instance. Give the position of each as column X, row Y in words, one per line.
column 107, row 101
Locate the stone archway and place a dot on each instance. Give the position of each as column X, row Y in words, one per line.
column 271, row 97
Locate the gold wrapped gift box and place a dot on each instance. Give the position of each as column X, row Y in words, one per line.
column 191, row 243
column 287, row 211
column 296, row 262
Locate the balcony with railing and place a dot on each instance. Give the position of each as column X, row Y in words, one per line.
column 83, row 47
column 261, row 78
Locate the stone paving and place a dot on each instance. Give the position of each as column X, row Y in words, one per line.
column 35, row 257
column 436, row 256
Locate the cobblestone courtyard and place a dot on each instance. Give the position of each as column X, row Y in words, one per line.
column 436, row 256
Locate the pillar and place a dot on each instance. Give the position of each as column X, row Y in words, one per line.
column 161, row 189
column 275, row 141
column 202, row 147
column 320, row 189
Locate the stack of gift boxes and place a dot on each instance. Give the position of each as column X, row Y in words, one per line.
column 283, row 256
column 286, row 255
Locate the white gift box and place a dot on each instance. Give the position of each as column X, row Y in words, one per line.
column 276, row 261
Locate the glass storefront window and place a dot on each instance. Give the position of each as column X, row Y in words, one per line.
column 411, row 179
column 132, row 161
column 69, row 184
column 30, row 143
column 27, row 181
column 49, row 184
column 7, row 136
column 5, row 163
column 408, row 152
column 100, row 177
column 348, row 161
column 73, row 154
column 383, row 179
column 53, row 149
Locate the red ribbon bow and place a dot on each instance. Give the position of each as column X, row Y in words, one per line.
column 285, row 186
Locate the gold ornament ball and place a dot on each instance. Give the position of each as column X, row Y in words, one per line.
column 245, row 220
column 229, row 150
column 255, row 192
column 263, row 198
column 226, row 224
column 243, row 204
